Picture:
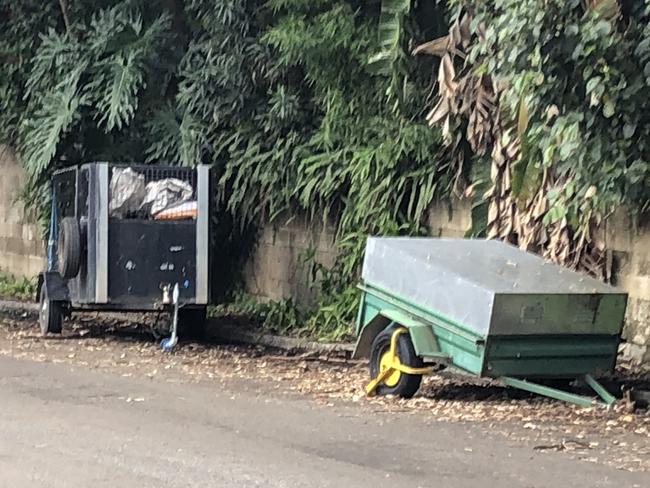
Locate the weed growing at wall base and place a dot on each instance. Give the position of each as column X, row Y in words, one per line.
column 16, row 288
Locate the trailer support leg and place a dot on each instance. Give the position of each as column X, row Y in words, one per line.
column 606, row 396
column 565, row 396
column 169, row 343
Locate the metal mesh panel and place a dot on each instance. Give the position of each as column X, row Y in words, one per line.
column 157, row 173
column 152, row 192
column 64, row 188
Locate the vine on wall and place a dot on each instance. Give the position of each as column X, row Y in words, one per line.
column 553, row 97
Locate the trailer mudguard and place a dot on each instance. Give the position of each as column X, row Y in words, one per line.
column 56, row 286
column 422, row 336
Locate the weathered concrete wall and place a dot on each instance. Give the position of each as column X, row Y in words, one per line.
column 21, row 247
column 278, row 268
column 629, row 241
column 450, row 218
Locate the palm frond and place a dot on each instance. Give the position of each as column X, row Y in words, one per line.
column 112, row 27
column 44, row 130
column 52, row 61
column 390, row 33
column 124, row 50
column 176, row 139
column 117, row 86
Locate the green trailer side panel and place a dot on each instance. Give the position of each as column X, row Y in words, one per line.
column 550, row 314
column 611, row 313
column 550, row 356
column 401, row 318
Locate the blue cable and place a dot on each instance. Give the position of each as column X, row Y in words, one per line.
column 51, row 258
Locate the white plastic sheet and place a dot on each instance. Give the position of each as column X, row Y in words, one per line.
column 128, row 191
column 166, row 193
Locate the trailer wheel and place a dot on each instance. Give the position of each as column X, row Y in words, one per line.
column 397, row 383
column 192, row 323
column 69, row 248
column 50, row 314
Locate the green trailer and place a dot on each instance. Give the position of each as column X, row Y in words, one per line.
column 485, row 308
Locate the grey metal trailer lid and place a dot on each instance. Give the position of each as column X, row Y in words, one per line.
column 489, row 285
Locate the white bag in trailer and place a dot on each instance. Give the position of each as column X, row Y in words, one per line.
column 127, row 192
column 163, row 194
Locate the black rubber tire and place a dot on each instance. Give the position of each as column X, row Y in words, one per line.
column 192, row 322
column 408, row 384
column 69, row 248
column 50, row 315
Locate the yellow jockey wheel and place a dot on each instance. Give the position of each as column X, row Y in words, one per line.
column 395, row 369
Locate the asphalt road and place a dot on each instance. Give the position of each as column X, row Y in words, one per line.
column 63, row 427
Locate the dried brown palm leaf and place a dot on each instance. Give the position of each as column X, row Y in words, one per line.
column 465, row 30
column 438, row 47
column 440, row 111
column 446, row 76
column 608, row 9
column 465, row 96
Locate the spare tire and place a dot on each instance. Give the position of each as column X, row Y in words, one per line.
column 69, row 248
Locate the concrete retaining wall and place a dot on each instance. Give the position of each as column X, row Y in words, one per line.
column 278, row 268
column 21, row 247
column 629, row 241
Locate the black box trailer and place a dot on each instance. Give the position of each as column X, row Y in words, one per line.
column 122, row 237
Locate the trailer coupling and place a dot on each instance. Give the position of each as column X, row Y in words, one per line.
column 169, row 343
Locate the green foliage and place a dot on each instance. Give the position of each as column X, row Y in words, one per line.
column 583, row 77
column 18, row 288
column 391, row 20
column 22, row 23
column 338, row 152
column 315, row 107
column 120, row 74
column 55, row 114
column 84, row 86
column 274, row 317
